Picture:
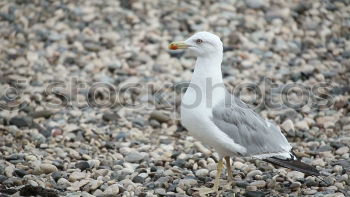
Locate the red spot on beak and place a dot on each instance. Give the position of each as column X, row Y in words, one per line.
column 173, row 47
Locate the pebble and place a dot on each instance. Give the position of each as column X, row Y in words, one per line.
column 111, row 190
column 295, row 185
column 21, row 122
column 159, row 116
column 258, row 184
column 309, row 191
column 302, row 125
column 134, row 157
column 202, row 172
column 342, row 150
column 83, row 165
column 253, row 173
column 63, row 182
column 48, row 168
column 295, row 175
column 138, row 179
column 254, row 194
column 75, row 176
column 287, row 125
column 256, row 4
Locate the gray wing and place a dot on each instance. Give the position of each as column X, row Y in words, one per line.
column 248, row 129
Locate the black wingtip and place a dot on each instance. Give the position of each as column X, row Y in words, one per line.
column 294, row 165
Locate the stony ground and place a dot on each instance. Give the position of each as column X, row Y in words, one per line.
column 89, row 106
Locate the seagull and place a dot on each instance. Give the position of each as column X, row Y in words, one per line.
column 216, row 118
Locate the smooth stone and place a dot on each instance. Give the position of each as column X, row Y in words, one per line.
column 338, row 194
column 94, row 184
column 58, row 174
column 76, row 176
column 302, row 125
column 9, row 170
column 256, row 4
column 295, row 185
column 187, row 183
column 342, row 150
column 83, row 165
column 202, row 172
column 287, row 125
column 254, row 194
column 134, row 157
column 159, row 116
column 48, row 168
column 63, row 182
column 309, row 191
column 111, row 190
column 253, row 173
column 138, row 179
column 294, row 175
column 258, row 184
column 21, row 122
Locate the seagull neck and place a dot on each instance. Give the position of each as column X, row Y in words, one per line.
column 208, row 70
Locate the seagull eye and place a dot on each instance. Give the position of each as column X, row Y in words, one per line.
column 199, row 41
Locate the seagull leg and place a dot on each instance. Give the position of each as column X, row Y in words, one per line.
column 204, row 191
column 218, row 174
column 229, row 174
column 229, row 169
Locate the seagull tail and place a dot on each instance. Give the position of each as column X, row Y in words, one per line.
column 294, row 165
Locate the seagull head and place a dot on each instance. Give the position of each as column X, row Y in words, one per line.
column 201, row 43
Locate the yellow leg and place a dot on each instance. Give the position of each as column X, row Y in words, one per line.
column 218, row 174
column 203, row 191
column 229, row 169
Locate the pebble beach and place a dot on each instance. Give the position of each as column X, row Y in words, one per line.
column 90, row 95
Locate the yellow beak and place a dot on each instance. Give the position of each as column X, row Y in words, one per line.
column 178, row 45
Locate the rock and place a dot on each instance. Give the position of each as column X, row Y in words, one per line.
column 309, row 191
column 302, row 125
column 62, row 182
column 187, row 183
column 254, row 194
column 21, row 122
column 287, row 125
column 258, row 184
column 295, row 175
column 9, row 170
column 3, row 178
column 94, row 163
column 59, row 174
column 48, row 168
column 109, row 116
column 94, row 184
column 342, row 150
column 295, row 185
column 160, row 191
column 41, row 114
column 256, row 4
column 134, row 157
column 202, row 172
column 20, row 173
column 83, row 165
column 138, row 179
column 159, row 116
column 253, row 173
column 75, row 176
column 111, row 190
column 338, row 194
column 239, row 165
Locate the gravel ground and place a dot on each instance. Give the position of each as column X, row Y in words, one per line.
column 65, row 131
